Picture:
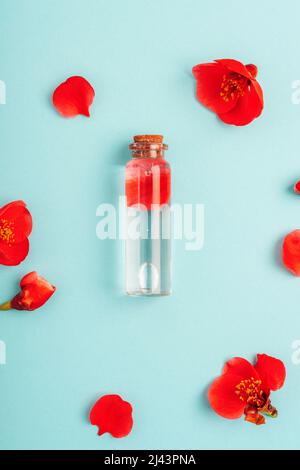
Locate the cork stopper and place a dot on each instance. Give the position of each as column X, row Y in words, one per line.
column 151, row 139
column 148, row 146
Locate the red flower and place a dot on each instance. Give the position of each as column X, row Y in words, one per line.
column 297, row 187
column 74, row 97
column 230, row 89
column 291, row 252
column 113, row 415
column 15, row 228
column 245, row 389
column 35, row 291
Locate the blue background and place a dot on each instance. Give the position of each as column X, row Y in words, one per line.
column 231, row 298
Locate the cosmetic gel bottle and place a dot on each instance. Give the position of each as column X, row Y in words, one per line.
column 148, row 218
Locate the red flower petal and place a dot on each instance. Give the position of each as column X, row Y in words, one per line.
column 235, row 66
column 113, row 415
column 291, row 252
column 240, row 367
column 14, row 254
column 222, row 393
column 223, row 399
column 35, row 291
column 209, row 79
column 74, row 97
column 297, row 187
column 252, row 69
column 18, row 203
column 248, row 107
column 271, row 371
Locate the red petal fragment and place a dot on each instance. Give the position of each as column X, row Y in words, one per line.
column 35, row 291
column 113, row 415
column 291, row 252
column 271, row 371
column 74, row 97
column 297, row 187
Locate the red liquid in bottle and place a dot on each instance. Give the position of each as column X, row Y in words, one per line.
column 148, row 182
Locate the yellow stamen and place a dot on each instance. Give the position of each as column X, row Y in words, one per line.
column 7, row 231
column 249, row 391
column 232, row 86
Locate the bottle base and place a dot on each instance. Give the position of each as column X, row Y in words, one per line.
column 148, row 293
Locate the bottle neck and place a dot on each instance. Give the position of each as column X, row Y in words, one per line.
column 148, row 149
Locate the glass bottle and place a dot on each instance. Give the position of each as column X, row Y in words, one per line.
column 148, row 236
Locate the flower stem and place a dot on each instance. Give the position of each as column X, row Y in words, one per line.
column 6, row 306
